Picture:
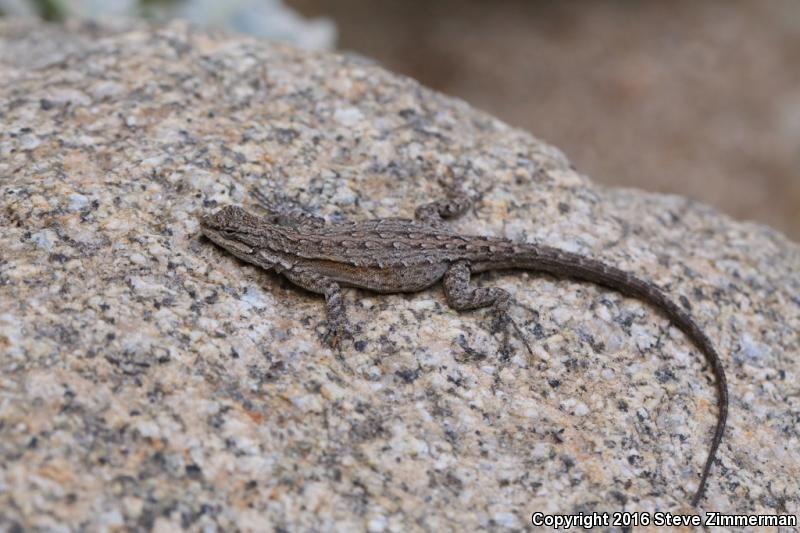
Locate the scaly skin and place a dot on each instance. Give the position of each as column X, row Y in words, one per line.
column 398, row 255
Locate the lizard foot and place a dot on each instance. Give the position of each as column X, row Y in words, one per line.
column 501, row 317
column 338, row 332
column 501, row 322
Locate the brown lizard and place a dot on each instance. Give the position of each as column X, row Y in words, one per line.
column 397, row 255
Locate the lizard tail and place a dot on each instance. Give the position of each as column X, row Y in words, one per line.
column 561, row 264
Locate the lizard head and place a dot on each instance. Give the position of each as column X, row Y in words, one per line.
column 229, row 227
column 228, row 218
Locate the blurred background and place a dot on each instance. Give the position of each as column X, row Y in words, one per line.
column 694, row 97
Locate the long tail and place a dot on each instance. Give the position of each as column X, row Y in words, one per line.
column 561, row 263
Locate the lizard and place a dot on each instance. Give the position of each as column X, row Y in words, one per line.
column 393, row 255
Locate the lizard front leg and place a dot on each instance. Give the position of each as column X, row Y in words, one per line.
column 462, row 297
column 338, row 325
column 284, row 212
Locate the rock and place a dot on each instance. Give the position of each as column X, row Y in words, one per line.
column 150, row 380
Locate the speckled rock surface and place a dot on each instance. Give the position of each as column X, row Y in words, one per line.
column 150, row 380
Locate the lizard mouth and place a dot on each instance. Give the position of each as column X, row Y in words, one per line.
column 209, row 222
column 220, row 238
column 218, row 219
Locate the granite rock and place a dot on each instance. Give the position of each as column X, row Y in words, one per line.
column 149, row 380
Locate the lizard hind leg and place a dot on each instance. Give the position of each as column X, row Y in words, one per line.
column 434, row 213
column 456, row 203
column 461, row 297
